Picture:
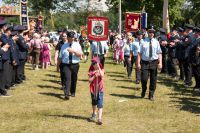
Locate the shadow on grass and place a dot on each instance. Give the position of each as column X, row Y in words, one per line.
column 53, row 95
column 48, row 87
column 115, row 75
column 122, row 80
column 52, row 81
column 126, row 96
column 52, row 75
column 110, row 63
column 115, row 72
column 83, row 80
column 70, row 116
column 182, row 97
column 131, row 88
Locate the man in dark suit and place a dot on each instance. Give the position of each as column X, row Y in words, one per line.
column 23, row 52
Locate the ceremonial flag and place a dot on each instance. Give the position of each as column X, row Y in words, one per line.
column 133, row 22
column 24, row 13
column 144, row 20
column 98, row 28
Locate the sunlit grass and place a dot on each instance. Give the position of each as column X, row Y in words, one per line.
column 38, row 106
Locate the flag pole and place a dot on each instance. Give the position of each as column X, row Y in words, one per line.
column 120, row 17
column 166, row 16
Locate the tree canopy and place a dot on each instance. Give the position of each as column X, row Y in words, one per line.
column 69, row 13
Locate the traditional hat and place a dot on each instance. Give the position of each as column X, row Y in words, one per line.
column 180, row 29
column 3, row 22
column 71, row 34
column 151, row 29
column 162, row 30
column 19, row 28
column 139, row 33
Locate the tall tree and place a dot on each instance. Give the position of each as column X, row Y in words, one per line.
column 154, row 9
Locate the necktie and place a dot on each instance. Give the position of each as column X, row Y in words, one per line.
column 100, row 49
column 70, row 55
column 150, row 49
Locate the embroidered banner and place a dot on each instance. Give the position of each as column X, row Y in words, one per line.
column 98, row 28
column 24, row 13
column 133, row 22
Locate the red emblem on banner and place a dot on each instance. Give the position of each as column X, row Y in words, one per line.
column 98, row 28
column 133, row 22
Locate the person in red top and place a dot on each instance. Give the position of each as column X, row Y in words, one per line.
column 96, row 80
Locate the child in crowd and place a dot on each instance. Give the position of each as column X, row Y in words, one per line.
column 86, row 49
column 96, row 80
column 45, row 53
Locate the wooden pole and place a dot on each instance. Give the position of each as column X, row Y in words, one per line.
column 166, row 16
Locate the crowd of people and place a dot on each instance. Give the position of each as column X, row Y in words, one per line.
column 18, row 46
column 147, row 49
column 179, row 47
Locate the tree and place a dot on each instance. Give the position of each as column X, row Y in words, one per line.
column 154, row 9
column 192, row 11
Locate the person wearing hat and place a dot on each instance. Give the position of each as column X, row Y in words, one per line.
column 14, row 57
column 172, row 57
column 186, row 47
column 195, row 58
column 163, row 45
column 6, row 58
column 69, row 56
column 3, row 26
column 23, row 52
column 3, row 49
column 135, row 47
column 100, row 49
column 180, row 52
column 149, row 59
column 96, row 80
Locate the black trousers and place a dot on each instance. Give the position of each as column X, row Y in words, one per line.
column 180, row 64
column 62, row 76
column 172, row 63
column 129, row 65
column 21, row 70
column 164, row 63
column 2, row 86
column 188, row 71
column 149, row 69
column 70, row 73
column 14, row 74
column 7, row 74
column 196, row 70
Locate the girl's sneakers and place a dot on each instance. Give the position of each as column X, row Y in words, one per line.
column 99, row 122
column 92, row 118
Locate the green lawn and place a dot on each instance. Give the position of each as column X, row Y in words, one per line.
column 37, row 106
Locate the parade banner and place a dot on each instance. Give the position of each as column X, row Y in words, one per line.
column 144, row 20
column 98, row 28
column 40, row 22
column 83, row 31
column 132, row 22
column 9, row 10
column 24, row 13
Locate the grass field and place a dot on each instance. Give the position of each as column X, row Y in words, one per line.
column 38, row 106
